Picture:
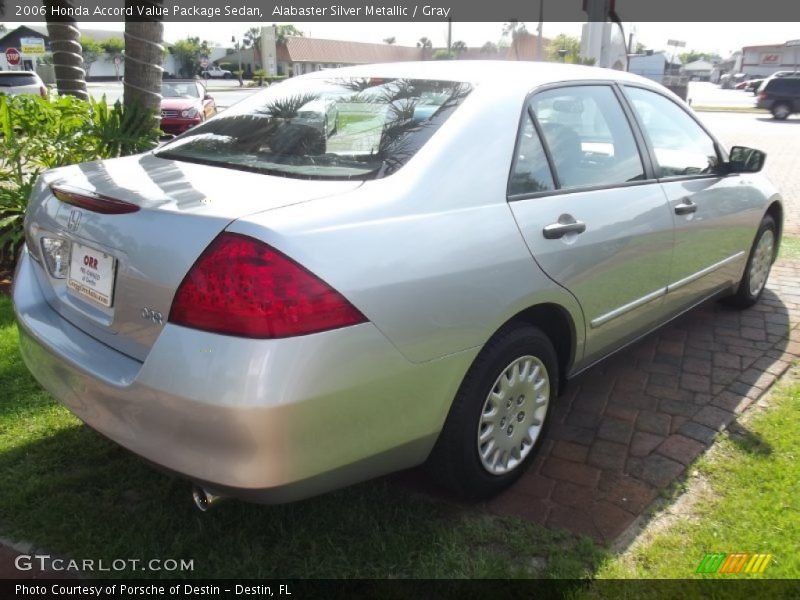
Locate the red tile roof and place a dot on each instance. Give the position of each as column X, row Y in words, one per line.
column 302, row 49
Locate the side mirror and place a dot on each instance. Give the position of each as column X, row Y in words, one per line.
column 745, row 160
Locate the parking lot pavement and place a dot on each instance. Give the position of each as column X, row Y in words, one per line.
column 628, row 428
column 779, row 139
column 703, row 93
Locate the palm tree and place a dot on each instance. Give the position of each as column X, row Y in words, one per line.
column 144, row 55
column 65, row 42
column 458, row 47
column 515, row 29
column 425, row 44
column 253, row 38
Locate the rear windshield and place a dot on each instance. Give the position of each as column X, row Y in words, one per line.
column 15, row 79
column 324, row 128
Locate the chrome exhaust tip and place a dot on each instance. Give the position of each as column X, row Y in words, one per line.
column 203, row 499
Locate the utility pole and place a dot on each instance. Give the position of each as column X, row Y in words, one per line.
column 539, row 31
column 449, row 33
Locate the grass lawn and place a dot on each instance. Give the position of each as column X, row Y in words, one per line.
column 745, row 497
column 70, row 491
column 790, row 247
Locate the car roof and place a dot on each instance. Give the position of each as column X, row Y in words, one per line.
column 512, row 75
column 10, row 73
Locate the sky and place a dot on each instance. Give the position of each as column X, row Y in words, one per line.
column 720, row 38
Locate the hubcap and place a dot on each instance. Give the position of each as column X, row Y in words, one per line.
column 762, row 261
column 781, row 112
column 513, row 415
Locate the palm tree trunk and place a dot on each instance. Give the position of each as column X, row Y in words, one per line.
column 144, row 55
column 65, row 42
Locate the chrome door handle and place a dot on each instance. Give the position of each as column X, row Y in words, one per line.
column 686, row 207
column 566, row 224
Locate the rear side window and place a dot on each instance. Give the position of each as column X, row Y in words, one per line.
column 784, row 85
column 531, row 172
column 17, row 79
column 588, row 136
column 680, row 145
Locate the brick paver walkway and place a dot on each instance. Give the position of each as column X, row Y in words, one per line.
column 628, row 428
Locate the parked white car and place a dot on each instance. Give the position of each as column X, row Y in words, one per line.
column 215, row 72
column 13, row 83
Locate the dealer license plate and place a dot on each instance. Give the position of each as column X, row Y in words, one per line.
column 91, row 274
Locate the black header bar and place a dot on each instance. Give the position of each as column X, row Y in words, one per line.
column 399, row 10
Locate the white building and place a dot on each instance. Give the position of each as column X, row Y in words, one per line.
column 698, row 70
column 766, row 60
column 653, row 66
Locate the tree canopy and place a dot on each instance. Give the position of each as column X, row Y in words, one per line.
column 693, row 55
column 285, row 31
column 91, row 50
column 188, row 52
column 571, row 44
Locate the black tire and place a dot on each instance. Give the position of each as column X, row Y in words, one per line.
column 455, row 463
column 744, row 296
column 227, row 76
column 781, row 111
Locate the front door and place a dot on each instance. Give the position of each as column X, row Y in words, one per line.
column 594, row 220
column 713, row 227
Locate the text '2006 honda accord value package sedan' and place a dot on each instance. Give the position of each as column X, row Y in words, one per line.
column 366, row 269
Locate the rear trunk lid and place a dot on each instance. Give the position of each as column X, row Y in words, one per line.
column 137, row 259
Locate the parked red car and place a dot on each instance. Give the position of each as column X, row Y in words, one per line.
column 184, row 104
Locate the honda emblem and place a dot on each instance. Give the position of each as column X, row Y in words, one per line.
column 74, row 220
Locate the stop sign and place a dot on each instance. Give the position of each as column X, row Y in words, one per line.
column 12, row 56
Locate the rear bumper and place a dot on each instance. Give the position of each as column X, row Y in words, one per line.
column 765, row 103
column 268, row 420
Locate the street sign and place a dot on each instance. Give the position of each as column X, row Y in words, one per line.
column 204, row 62
column 676, row 43
column 116, row 61
column 32, row 45
column 12, row 56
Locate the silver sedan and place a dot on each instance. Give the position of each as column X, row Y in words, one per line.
column 273, row 311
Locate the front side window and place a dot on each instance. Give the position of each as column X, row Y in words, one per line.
column 531, row 172
column 588, row 136
column 343, row 128
column 680, row 145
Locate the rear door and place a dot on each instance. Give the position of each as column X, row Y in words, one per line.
column 712, row 210
column 594, row 218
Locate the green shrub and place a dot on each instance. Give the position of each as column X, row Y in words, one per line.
column 37, row 134
column 259, row 75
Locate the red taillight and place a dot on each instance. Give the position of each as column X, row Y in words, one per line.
column 93, row 202
column 762, row 96
column 241, row 286
column 43, row 91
